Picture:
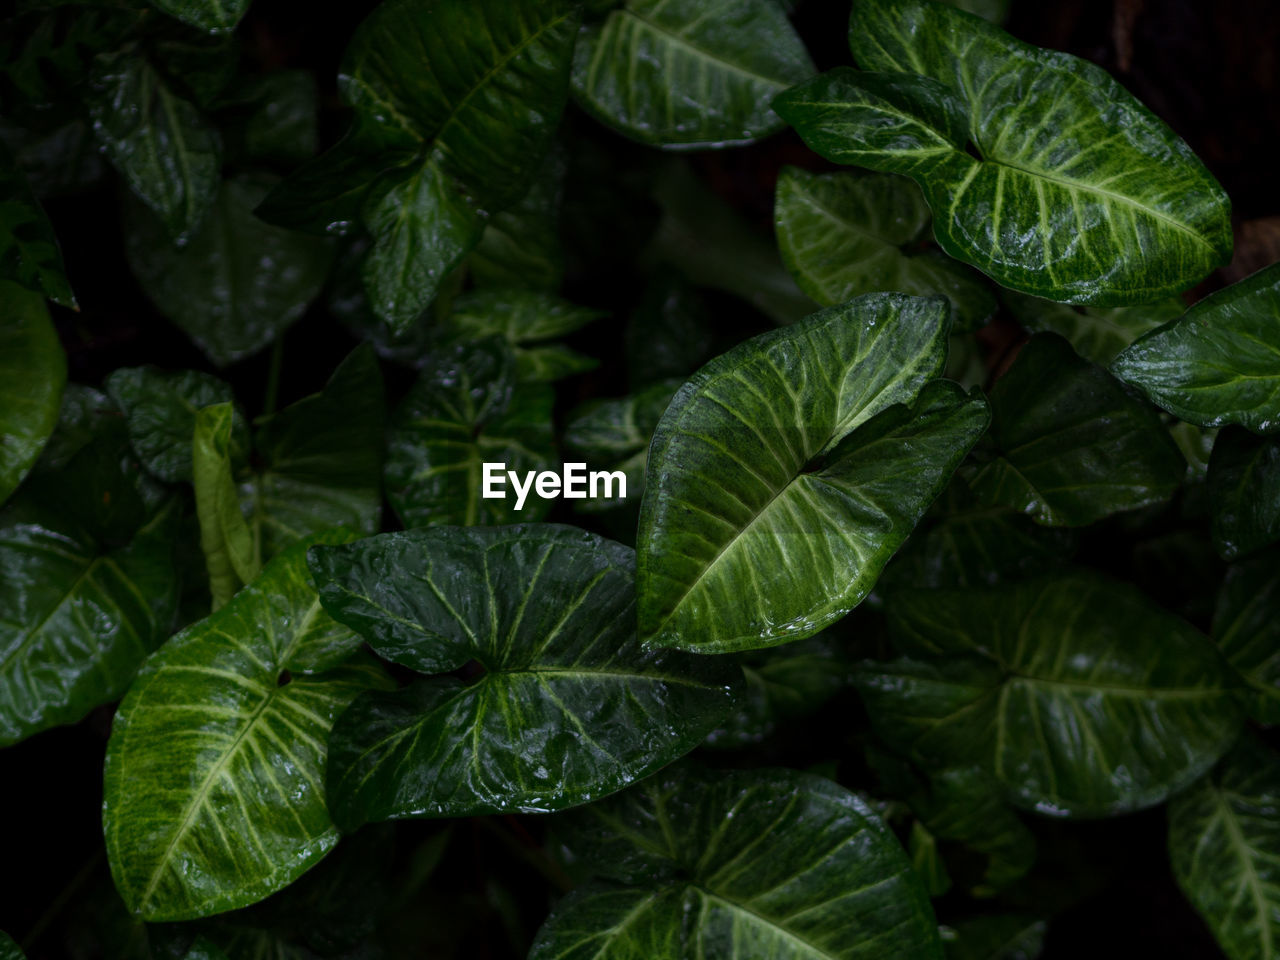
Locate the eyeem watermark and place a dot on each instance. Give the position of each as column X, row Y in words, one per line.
column 574, row 483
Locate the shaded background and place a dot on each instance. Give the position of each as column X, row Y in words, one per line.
column 1207, row 68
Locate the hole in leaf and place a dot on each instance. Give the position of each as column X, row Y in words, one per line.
column 284, row 678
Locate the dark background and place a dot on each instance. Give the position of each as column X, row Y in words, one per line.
column 1207, row 68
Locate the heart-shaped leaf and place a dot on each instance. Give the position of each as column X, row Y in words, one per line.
column 568, row 709
column 213, row 785
column 526, row 319
column 239, row 283
column 1080, row 696
column 1224, row 843
column 1098, row 334
column 1072, row 446
column 1220, row 363
column 1078, row 193
column 466, row 409
column 166, row 150
column 1246, row 624
column 784, row 475
column 771, row 863
column 1244, row 491
column 845, row 234
column 689, row 73
column 33, row 371
column 89, row 588
column 29, row 248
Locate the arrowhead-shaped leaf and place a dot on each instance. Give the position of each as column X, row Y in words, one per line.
column 1078, row 694
column 526, row 319
column 844, row 234
column 1220, row 363
column 735, row 866
column 689, row 73
column 214, row 778
column 1246, row 624
column 1072, row 446
column 568, row 709
column 786, row 472
column 239, row 283
column 1224, row 843
column 466, row 409
column 33, row 371
column 1077, row 193
column 1097, row 333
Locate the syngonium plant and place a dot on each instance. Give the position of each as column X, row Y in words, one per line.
column 875, row 608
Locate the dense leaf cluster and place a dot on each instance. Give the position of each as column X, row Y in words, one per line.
column 313, row 622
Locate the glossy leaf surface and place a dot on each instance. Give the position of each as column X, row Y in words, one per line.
column 33, row 370
column 8, row 949
column 1220, row 363
column 569, row 707
column 232, row 554
column 1244, row 492
column 465, row 409
column 1080, row 696
column 527, row 320
column 1072, row 446
column 1224, row 842
column 689, row 73
column 29, row 251
column 160, row 411
column 843, row 235
column 213, row 793
column 166, row 150
column 770, row 863
column 1097, row 333
column 1246, row 625
column 239, row 283
column 1077, row 193
column 746, row 537
column 215, row 16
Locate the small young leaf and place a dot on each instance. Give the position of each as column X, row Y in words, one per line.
column 1224, row 843
column 785, row 474
column 1244, row 491
column 844, row 234
column 1080, row 696
column 689, row 73
column 1220, row 363
column 548, row 612
column 165, row 149
column 1246, row 624
column 232, row 554
column 33, row 371
column 772, row 863
column 212, row 785
column 239, row 283
column 1072, row 446
column 467, row 409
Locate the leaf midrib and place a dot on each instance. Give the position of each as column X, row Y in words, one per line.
column 674, row 39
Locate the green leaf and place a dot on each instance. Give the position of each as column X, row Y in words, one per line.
column 465, row 409
column 1246, row 624
column 33, row 371
column 1000, row 936
column 213, row 794
column 689, row 73
column 926, row 860
column 526, row 319
column 89, row 589
column 1244, row 490
column 1072, row 446
column 736, row 865
column 232, row 555
column 214, row 16
column 521, row 245
column 166, row 150
column 1097, row 333
column 845, row 234
column 1080, row 696
column 615, row 435
column 669, row 334
column 1076, row 193
column 475, row 89
column 239, row 283
column 785, row 474
column 278, row 117
column 568, row 709
column 1224, row 842
column 29, row 252
column 160, row 411
column 8, row 949
column 1220, row 363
